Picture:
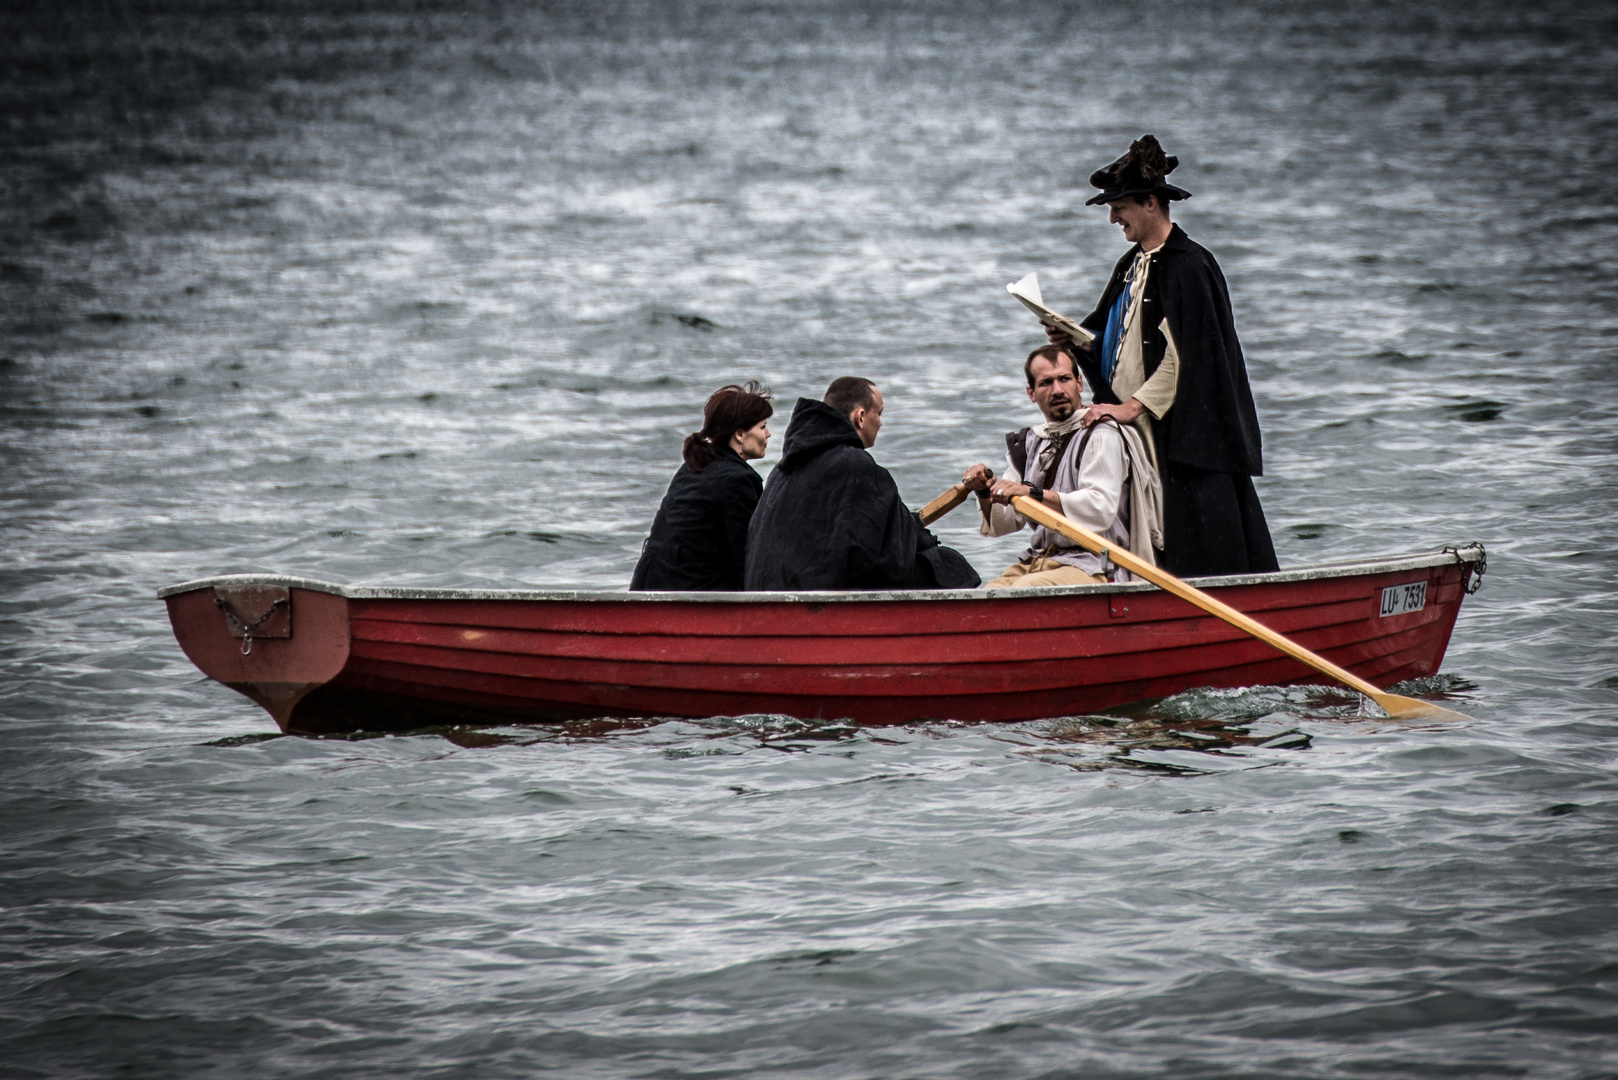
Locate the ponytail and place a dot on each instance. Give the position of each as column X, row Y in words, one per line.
column 699, row 451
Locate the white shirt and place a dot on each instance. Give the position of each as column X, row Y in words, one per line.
column 1091, row 492
column 1129, row 378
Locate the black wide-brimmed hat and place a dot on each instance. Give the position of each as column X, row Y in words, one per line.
column 1138, row 172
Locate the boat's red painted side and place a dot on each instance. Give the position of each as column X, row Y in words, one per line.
column 876, row 661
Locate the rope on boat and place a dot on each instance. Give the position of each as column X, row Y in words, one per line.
column 248, row 628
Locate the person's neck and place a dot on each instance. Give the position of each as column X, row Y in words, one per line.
column 1158, row 236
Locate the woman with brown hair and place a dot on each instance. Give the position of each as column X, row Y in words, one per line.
column 699, row 537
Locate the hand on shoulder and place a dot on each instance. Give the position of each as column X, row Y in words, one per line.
column 1124, row 414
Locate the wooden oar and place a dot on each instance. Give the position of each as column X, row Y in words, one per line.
column 942, row 505
column 1396, row 706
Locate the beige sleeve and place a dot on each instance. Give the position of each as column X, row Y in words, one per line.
column 1158, row 392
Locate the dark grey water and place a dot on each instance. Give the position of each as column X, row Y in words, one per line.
column 390, row 294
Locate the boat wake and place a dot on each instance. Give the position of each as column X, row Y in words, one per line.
column 1189, row 734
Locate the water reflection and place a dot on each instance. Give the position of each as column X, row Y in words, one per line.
column 1152, row 736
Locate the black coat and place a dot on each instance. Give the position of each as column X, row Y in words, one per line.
column 1208, row 444
column 1213, row 424
column 831, row 518
column 699, row 537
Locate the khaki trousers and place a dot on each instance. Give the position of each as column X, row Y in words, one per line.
column 1043, row 571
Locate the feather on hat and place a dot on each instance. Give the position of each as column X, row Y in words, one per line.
column 1139, row 172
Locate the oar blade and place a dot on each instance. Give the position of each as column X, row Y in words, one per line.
column 1400, row 707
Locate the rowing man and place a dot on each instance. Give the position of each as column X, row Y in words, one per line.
column 1100, row 477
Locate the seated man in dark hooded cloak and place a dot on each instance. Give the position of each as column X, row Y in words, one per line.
column 831, row 517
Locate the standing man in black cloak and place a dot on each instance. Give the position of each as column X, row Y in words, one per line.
column 831, row 517
column 1166, row 359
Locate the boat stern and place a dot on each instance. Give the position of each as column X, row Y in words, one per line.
column 272, row 639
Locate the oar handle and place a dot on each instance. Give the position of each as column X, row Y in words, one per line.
column 942, row 505
column 1166, row 581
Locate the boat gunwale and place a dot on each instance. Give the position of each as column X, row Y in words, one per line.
column 1360, row 567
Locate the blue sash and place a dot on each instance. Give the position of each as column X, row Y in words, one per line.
column 1112, row 336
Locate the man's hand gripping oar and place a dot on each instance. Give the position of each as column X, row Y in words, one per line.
column 956, row 495
column 1395, row 705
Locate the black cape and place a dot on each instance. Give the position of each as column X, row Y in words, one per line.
column 1208, row 444
column 699, row 537
column 831, row 518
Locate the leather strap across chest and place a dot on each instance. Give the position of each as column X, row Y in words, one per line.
column 1017, row 449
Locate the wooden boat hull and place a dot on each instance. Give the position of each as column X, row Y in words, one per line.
column 390, row 659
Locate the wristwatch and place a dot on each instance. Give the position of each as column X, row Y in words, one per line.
column 1036, row 493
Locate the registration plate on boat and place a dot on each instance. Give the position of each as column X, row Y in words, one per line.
column 1400, row 599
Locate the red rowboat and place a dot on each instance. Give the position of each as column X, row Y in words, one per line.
column 324, row 658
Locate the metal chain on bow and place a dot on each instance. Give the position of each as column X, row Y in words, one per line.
column 1473, row 579
column 248, row 628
